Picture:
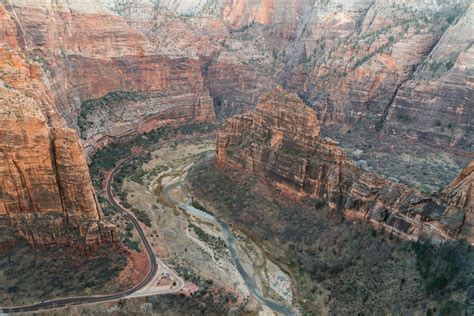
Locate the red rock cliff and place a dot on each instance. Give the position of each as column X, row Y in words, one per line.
column 46, row 195
column 280, row 143
column 88, row 51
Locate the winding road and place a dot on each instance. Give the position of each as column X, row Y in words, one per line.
column 141, row 289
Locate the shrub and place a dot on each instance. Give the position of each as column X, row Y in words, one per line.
column 142, row 216
column 320, row 203
column 438, row 266
column 132, row 244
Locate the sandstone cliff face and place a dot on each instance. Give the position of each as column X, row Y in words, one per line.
column 441, row 89
column 280, row 142
column 460, row 195
column 368, row 66
column 88, row 51
column 46, row 195
column 46, row 192
column 380, row 74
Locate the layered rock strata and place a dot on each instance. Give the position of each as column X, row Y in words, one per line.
column 46, row 195
column 280, row 142
column 376, row 71
column 460, row 195
column 88, row 51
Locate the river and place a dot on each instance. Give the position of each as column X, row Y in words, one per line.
column 230, row 240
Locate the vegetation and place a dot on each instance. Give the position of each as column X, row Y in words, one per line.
column 107, row 158
column 404, row 118
column 292, row 151
column 198, row 206
column 352, row 267
column 454, row 14
column 142, row 216
column 109, row 99
column 320, row 203
column 217, row 244
column 39, row 274
column 132, row 244
column 439, row 266
column 200, row 233
column 359, row 62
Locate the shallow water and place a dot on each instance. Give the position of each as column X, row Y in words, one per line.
column 230, row 240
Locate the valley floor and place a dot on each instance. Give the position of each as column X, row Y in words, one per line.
column 297, row 253
column 338, row 267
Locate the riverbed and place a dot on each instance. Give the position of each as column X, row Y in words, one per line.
column 212, row 248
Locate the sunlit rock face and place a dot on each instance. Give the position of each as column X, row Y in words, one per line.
column 280, row 143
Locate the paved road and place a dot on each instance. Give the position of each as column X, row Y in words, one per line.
column 155, row 265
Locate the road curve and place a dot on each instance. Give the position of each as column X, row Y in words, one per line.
column 154, row 263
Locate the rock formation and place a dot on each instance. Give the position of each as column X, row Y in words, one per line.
column 383, row 76
column 93, row 52
column 46, row 191
column 281, row 143
column 460, row 195
column 46, row 195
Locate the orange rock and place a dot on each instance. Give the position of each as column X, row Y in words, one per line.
column 280, row 143
column 46, row 191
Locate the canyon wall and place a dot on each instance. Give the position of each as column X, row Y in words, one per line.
column 390, row 79
column 55, row 56
column 46, row 195
column 435, row 105
column 87, row 51
column 280, row 143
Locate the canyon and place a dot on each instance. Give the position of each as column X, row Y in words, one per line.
column 353, row 112
column 374, row 71
column 390, row 80
column 281, row 143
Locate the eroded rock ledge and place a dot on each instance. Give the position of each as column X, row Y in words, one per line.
column 280, row 142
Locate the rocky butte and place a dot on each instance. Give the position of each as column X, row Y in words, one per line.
column 281, row 143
